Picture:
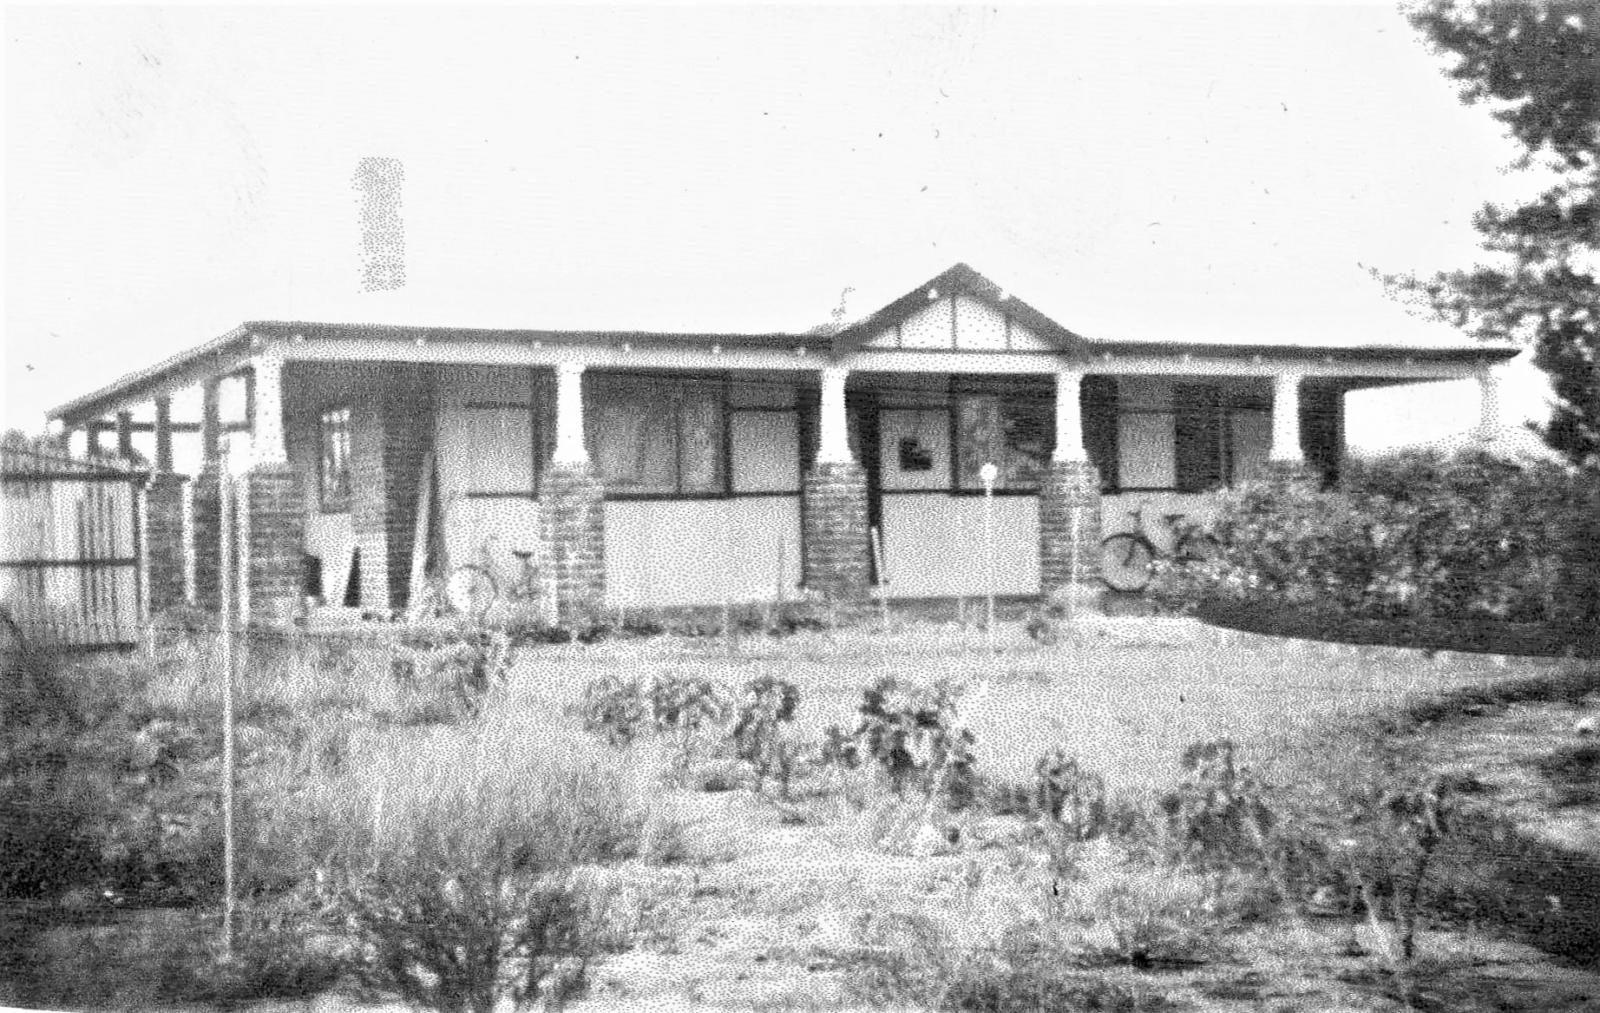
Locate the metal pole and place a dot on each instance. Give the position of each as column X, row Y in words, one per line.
column 883, row 577
column 1072, row 567
column 988, row 473
column 226, row 581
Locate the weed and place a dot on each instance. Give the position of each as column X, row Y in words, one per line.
column 758, row 731
column 1072, row 797
column 914, row 737
column 615, row 709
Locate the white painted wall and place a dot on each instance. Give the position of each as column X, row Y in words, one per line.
column 976, row 326
column 934, row 546
column 702, row 552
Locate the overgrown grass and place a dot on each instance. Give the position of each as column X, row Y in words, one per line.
column 353, row 774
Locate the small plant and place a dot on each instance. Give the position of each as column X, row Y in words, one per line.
column 615, row 709
column 686, row 703
column 686, row 708
column 759, row 737
column 1219, row 812
column 914, row 737
column 1041, row 625
column 1072, row 797
column 1387, row 829
column 838, row 749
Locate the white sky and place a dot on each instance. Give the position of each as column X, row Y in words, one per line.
column 1182, row 172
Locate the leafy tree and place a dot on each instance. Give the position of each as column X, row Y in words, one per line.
column 1538, row 67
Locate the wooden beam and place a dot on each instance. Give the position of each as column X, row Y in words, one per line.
column 210, row 419
column 421, row 530
column 163, row 428
column 125, row 434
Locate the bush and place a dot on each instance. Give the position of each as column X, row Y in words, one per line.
column 1416, row 534
column 1219, row 813
column 1072, row 797
column 457, row 864
column 1369, row 819
column 99, row 793
column 759, row 737
column 615, row 709
column 912, row 733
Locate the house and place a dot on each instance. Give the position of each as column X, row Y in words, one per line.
column 646, row 468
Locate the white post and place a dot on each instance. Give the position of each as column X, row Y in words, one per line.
column 834, row 437
column 570, row 448
column 1488, row 404
column 1069, row 418
column 1286, row 419
column 266, row 426
column 989, row 472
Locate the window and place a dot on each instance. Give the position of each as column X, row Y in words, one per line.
column 1013, row 426
column 1202, row 437
column 334, row 462
column 661, row 436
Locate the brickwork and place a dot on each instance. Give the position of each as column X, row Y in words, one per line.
column 369, row 502
column 572, row 528
column 391, row 433
column 1068, row 485
column 206, row 531
column 833, row 520
column 272, row 540
column 164, row 549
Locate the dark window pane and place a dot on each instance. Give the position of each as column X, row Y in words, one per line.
column 1200, row 443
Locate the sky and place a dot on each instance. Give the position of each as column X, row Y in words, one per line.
column 1185, row 172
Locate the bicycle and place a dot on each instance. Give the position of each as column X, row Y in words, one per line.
column 472, row 588
column 1127, row 558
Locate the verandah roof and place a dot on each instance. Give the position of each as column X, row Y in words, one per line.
column 229, row 351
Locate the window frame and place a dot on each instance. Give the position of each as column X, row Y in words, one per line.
column 343, row 503
column 964, row 386
column 723, row 438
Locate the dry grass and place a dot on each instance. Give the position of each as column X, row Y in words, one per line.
column 1126, row 699
column 748, row 905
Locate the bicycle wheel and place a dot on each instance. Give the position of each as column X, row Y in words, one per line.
column 1125, row 562
column 470, row 590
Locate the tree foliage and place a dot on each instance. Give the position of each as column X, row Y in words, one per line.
column 1538, row 67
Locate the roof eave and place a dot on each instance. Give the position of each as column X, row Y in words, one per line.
column 98, row 402
column 1338, row 353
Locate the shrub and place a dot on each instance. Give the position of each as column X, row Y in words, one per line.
column 1377, row 817
column 1072, row 797
column 456, row 863
column 913, row 735
column 614, row 708
column 686, row 708
column 1416, row 534
column 759, row 729
column 1219, row 813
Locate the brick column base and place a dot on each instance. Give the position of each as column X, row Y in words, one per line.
column 1296, row 473
column 572, row 528
column 1069, row 553
column 163, row 497
column 833, row 524
column 206, row 532
column 271, row 545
